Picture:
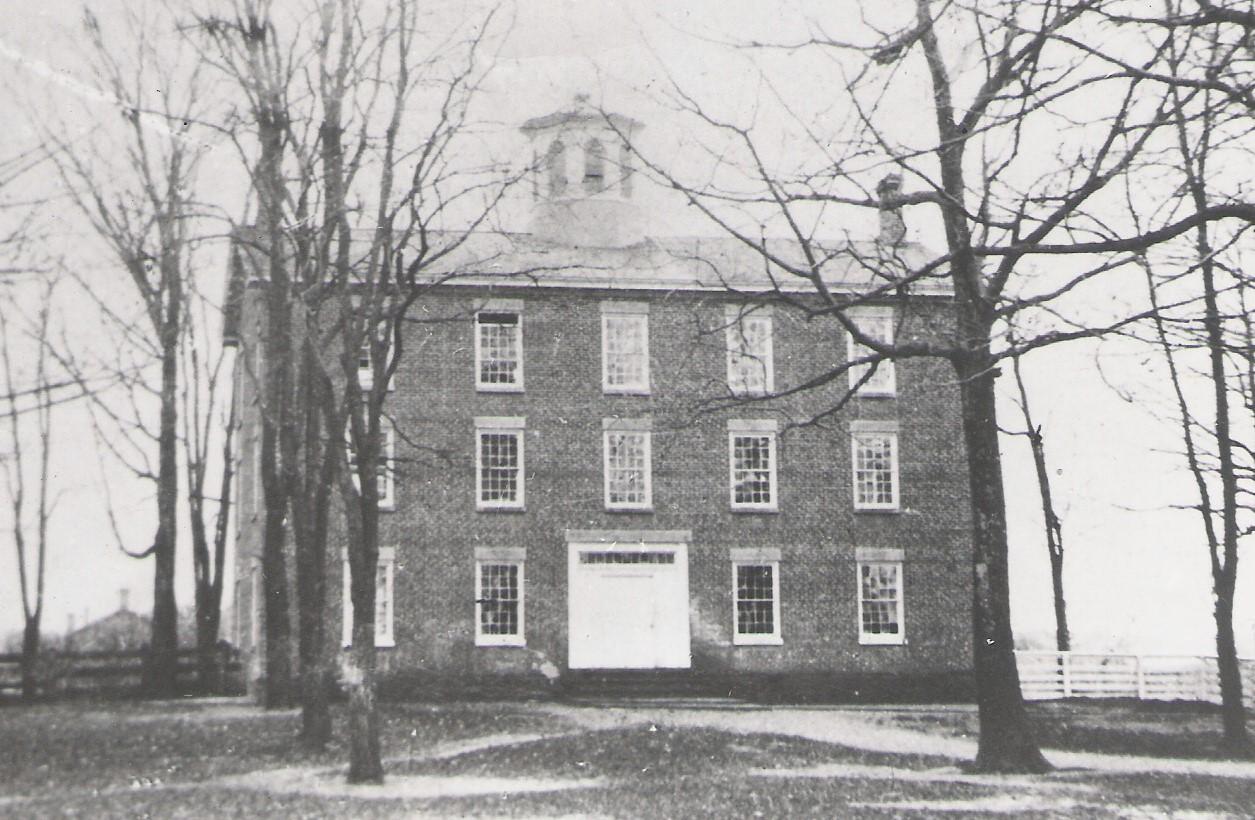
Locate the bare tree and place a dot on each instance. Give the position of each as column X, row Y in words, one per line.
column 1053, row 525
column 1011, row 173
column 205, row 408
column 134, row 187
column 1201, row 307
column 30, row 538
column 341, row 277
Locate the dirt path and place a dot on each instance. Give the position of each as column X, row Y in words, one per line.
column 856, row 729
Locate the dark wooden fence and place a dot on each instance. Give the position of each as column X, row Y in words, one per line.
column 115, row 674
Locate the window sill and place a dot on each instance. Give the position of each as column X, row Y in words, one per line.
column 629, row 510
column 499, row 388
column 879, row 510
column 625, row 391
column 378, row 645
column 876, row 395
column 877, row 640
column 743, row 510
column 512, row 643
column 489, row 509
column 765, row 640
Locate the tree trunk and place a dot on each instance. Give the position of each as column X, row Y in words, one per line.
column 277, row 684
column 310, row 514
column 30, row 657
column 164, row 644
column 1063, row 637
column 1006, row 736
column 1233, row 712
column 365, row 763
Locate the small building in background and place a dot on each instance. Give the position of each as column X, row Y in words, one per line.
column 120, row 631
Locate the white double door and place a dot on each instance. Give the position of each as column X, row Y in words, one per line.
column 628, row 606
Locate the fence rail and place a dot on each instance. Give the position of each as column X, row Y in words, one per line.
column 1056, row 675
column 110, row 673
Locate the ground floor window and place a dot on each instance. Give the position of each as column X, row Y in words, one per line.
column 385, row 572
column 880, row 602
column 757, row 594
column 499, row 602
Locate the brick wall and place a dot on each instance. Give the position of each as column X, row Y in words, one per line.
column 435, row 527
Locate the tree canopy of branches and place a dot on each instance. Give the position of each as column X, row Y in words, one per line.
column 1027, row 128
column 133, row 184
column 379, row 122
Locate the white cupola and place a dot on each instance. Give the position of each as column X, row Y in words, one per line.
column 582, row 177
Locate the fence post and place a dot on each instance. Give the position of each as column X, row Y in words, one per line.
column 1141, row 677
column 1066, row 658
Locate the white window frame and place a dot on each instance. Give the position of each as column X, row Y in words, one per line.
column 365, row 375
column 500, row 557
column 638, row 313
column 388, row 496
column 385, row 635
column 500, row 425
column 637, row 427
column 513, row 306
column 756, row 428
column 887, row 430
column 882, row 558
column 757, row 558
column 735, row 320
column 884, row 383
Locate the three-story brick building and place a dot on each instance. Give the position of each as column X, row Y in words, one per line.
column 626, row 480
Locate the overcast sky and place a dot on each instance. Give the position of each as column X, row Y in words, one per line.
column 1137, row 575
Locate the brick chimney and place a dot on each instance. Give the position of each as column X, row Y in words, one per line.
column 892, row 226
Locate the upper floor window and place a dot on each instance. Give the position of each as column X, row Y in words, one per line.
column 756, row 590
column 499, row 462
column 555, row 166
column 874, row 447
column 385, row 572
column 499, row 346
column 751, row 371
column 499, row 597
column 878, row 324
column 385, row 484
column 627, row 464
column 594, row 166
column 625, row 347
column 880, row 609
column 365, row 367
column 752, row 459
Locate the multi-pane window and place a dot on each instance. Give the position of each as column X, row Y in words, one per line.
column 627, row 469
column 875, row 457
column 499, row 463
column 499, row 603
column 365, row 368
column 499, row 350
column 757, row 602
column 752, row 459
column 880, row 602
column 625, row 348
column 385, row 483
column 385, row 571
column 750, row 367
column 877, row 324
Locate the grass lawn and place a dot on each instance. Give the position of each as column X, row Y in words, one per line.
column 178, row 760
column 1154, row 729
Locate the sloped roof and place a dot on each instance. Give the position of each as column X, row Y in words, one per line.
column 501, row 259
column 580, row 111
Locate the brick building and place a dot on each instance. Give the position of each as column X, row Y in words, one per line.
column 621, row 488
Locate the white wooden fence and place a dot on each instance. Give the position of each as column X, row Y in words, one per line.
column 1054, row 675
